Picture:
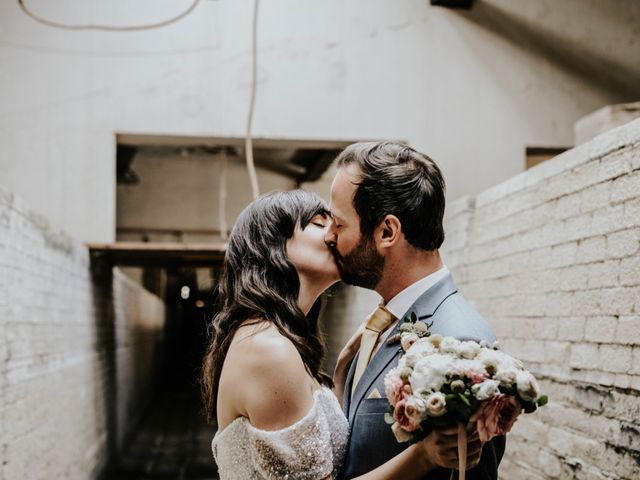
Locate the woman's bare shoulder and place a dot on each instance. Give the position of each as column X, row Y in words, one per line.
column 261, row 347
column 269, row 378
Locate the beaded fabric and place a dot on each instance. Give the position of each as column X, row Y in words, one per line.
column 311, row 449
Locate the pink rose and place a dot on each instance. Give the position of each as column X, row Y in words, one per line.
column 400, row 416
column 393, row 386
column 496, row 416
column 405, row 391
column 478, row 377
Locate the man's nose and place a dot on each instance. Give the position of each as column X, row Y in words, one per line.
column 330, row 236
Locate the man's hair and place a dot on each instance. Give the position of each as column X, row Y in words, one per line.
column 397, row 180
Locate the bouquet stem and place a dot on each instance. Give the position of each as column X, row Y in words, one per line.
column 462, row 451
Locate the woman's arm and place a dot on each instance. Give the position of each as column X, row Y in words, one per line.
column 439, row 449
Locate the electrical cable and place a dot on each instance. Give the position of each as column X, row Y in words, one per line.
column 109, row 28
column 222, row 195
column 248, row 144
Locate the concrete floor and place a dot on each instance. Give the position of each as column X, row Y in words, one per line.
column 173, row 442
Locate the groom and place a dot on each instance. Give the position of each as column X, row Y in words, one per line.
column 387, row 205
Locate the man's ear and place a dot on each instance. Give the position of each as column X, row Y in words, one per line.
column 388, row 232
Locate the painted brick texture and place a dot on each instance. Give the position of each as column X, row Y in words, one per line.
column 552, row 258
column 77, row 352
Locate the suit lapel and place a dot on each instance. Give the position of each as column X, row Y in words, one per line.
column 346, row 397
column 427, row 303
column 385, row 354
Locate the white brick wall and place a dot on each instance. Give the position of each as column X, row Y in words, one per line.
column 76, row 352
column 552, row 258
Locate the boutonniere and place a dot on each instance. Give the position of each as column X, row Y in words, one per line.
column 411, row 330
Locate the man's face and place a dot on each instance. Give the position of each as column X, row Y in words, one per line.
column 358, row 260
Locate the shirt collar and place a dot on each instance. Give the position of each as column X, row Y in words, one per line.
column 401, row 303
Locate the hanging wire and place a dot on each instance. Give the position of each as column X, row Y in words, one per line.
column 248, row 144
column 109, row 28
column 222, row 195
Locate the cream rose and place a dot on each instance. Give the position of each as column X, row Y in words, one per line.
column 408, row 339
column 436, row 405
column 507, row 377
column 527, row 386
column 416, row 409
column 435, row 339
column 401, row 435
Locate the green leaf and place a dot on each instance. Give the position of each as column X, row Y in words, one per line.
column 464, row 399
column 543, row 400
column 450, row 398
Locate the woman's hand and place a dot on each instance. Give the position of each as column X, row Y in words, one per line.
column 344, row 360
column 440, row 448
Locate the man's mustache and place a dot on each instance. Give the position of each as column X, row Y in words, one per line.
column 334, row 252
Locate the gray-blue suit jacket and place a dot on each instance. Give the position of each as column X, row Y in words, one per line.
column 371, row 442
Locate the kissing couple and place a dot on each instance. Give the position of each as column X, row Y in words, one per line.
column 279, row 416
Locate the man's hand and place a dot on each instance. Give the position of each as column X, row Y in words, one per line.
column 440, row 448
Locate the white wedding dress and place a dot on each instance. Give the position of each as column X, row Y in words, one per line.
column 310, row 449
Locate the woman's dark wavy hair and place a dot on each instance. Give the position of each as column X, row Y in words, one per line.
column 259, row 283
column 398, row 180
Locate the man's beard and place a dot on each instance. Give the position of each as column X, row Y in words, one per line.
column 362, row 266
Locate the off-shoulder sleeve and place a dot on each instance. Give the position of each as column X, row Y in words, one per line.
column 301, row 451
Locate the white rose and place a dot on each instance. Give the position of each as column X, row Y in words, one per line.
column 421, row 348
column 429, row 373
column 416, row 409
column 468, row 349
column 506, row 377
column 466, row 368
column 436, row 404
column 485, row 390
column 527, row 386
column 402, row 362
column 449, row 345
column 497, row 360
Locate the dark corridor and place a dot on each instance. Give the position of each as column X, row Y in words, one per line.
column 172, row 439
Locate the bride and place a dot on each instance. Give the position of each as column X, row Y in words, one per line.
column 262, row 381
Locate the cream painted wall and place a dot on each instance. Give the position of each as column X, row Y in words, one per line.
column 463, row 87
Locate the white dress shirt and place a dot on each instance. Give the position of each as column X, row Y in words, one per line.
column 399, row 304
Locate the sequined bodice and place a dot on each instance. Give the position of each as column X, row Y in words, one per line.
column 310, row 449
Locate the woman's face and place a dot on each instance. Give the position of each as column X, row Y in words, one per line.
column 310, row 254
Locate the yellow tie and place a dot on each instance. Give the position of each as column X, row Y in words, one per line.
column 377, row 322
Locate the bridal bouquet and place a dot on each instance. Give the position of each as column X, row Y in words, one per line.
column 442, row 382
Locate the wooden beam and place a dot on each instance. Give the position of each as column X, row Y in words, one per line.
column 141, row 140
column 146, row 254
